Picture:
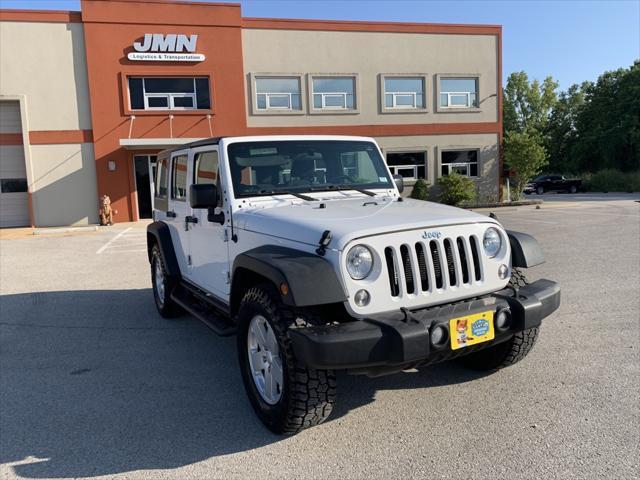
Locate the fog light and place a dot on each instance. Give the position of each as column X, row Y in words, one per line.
column 503, row 271
column 362, row 298
column 503, row 320
column 438, row 336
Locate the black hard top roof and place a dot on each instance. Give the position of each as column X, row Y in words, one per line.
column 197, row 143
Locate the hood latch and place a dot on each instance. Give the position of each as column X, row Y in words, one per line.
column 325, row 240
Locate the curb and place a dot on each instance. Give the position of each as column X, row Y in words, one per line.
column 46, row 231
column 521, row 203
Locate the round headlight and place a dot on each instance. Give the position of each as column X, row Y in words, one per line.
column 359, row 262
column 492, row 242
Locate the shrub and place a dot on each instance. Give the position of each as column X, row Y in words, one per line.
column 456, row 189
column 611, row 180
column 420, row 190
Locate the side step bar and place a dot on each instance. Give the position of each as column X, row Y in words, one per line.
column 204, row 307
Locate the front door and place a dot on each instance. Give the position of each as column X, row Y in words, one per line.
column 208, row 242
column 144, row 168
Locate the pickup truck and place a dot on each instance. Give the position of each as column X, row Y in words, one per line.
column 552, row 183
column 304, row 248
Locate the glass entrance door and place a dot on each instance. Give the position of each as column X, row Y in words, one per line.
column 145, row 168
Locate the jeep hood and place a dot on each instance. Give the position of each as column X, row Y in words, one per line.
column 349, row 219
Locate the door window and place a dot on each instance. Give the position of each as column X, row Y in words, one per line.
column 206, row 168
column 179, row 178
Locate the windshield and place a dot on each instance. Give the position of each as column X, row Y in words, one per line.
column 303, row 166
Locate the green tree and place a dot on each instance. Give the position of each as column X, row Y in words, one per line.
column 526, row 156
column 527, row 106
column 561, row 133
column 608, row 125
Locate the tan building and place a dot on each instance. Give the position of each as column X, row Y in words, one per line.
column 88, row 98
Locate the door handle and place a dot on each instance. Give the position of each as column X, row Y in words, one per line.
column 189, row 219
column 171, row 214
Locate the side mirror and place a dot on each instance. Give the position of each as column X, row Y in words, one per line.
column 203, row 196
column 399, row 182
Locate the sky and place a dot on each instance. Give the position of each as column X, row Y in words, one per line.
column 571, row 40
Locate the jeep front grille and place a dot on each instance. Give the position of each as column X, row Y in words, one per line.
column 432, row 266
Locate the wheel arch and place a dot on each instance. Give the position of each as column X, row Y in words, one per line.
column 301, row 273
column 525, row 250
column 158, row 233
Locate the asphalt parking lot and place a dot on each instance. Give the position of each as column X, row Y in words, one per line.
column 93, row 382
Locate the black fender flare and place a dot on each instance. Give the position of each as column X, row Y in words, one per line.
column 311, row 279
column 525, row 250
column 159, row 233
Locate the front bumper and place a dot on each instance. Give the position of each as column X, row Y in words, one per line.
column 380, row 345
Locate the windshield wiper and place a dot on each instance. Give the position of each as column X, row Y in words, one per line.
column 285, row 192
column 338, row 188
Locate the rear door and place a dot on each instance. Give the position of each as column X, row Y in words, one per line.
column 208, row 241
column 178, row 207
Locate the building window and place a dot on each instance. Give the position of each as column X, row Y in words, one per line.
column 464, row 162
column 333, row 93
column 459, row 92
column 278, row 93
column 179, row 178
column 169, row 93
column 13, row 185
column 410, row 165
column 404, row 93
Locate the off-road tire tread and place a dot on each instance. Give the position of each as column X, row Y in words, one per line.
column 170, row 308
column 510, row 352
column 312, row 392
column 518, row 278
column 503, row 354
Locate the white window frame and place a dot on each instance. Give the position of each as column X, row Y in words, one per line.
column 395, row 95
column 330, row 109
column 275, row 109
column 449, row 95
column 170, row 96
column 469, row 106
column 323, row 97
column 465, row 165
column 395, row 108
column 268, row 96
column 395, row 168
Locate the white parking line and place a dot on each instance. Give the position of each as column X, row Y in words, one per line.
column 106, row 245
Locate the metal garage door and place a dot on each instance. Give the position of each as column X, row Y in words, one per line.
column 14, row 199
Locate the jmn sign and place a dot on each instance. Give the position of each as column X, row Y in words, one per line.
column 156, row 47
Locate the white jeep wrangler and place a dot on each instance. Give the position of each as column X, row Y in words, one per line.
column 304, row 248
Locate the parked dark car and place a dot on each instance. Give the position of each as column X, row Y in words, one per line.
column 553, row 183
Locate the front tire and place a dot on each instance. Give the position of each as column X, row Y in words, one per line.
column 573, row 189
column 540, row 190
column 286, row 395
column 506, row 353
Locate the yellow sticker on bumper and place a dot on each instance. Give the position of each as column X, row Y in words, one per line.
column 471, row 329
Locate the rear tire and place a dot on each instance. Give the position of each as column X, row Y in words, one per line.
column 573, row 189
column 286, row 395
column 163, row 285
column 507, row 353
